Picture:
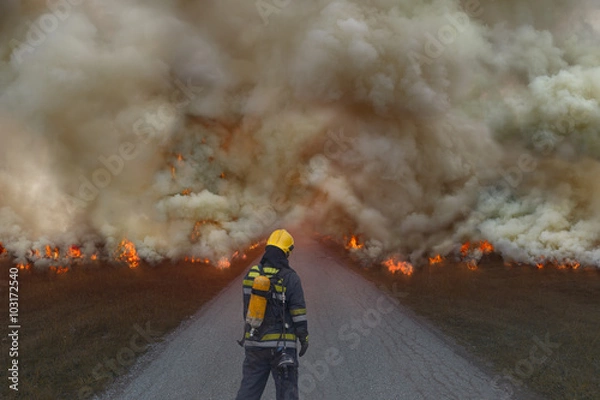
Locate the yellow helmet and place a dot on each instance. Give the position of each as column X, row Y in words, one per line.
column 281, row 239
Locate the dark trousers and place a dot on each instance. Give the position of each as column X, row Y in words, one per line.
column 259, row 362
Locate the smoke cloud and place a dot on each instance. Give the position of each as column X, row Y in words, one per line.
column 194, row 128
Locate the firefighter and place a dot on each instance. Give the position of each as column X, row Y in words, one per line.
column 271, row 347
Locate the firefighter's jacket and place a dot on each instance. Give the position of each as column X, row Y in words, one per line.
column 285, row 281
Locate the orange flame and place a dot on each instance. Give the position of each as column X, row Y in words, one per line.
column 436, row 260
column 568, row 264
column 464, row 249
column 483, row 246
column 194, row 260
column 186, row 192
column 222, row 175
column 223, row 263
column 74, row 252
column 486, row 247
column 52, row 253
column 472, row 265
column 2, row 249
column 59, row 270
column 128, row 253
column 394, row 266
column 180, row 158
column 253, row 246
column 94, row 257
column 539, row 265
column 23, row 266
column 173, row 175
column 195, row 235
column 353, row 243
column 575, row 265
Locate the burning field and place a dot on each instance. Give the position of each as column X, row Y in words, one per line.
column 169, row 130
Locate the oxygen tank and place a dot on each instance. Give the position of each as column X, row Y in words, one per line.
column 258, row 303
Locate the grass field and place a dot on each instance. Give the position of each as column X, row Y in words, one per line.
column 82, row 329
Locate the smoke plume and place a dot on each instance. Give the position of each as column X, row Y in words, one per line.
column 194, row 128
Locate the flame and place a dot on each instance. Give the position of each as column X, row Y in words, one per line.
column 464, row 249
column 59, row 270
column 194, row 260
column 575, row 265
column 254, row 246
column 472, row 265
column 436, row 260
column 223, row 263
column 486, row 247
column 128, row 253
column 394, row 266
column 173, row 175
column 74, row 252
column 222, row 175
column 35, row 253
column 94, row 257
column 2, row 249
column 52, row 253
column 483, row 246
column 353, row 243
column 186, row 192
column 539, row 265
column 180, row 157
column 23, row 266
column 195, row 235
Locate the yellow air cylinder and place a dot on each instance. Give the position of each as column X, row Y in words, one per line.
column 258, row 302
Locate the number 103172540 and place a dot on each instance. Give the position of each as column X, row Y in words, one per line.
column 13, row 296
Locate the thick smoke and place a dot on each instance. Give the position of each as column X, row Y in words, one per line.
column 194, row 128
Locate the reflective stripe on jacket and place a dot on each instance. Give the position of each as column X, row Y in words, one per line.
column 270, row 333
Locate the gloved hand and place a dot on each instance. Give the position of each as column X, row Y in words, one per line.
column 303, row 347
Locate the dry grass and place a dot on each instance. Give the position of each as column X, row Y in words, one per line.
column 75, row 325
column 497, row 312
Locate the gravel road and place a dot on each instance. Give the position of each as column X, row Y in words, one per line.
column 363, row 346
